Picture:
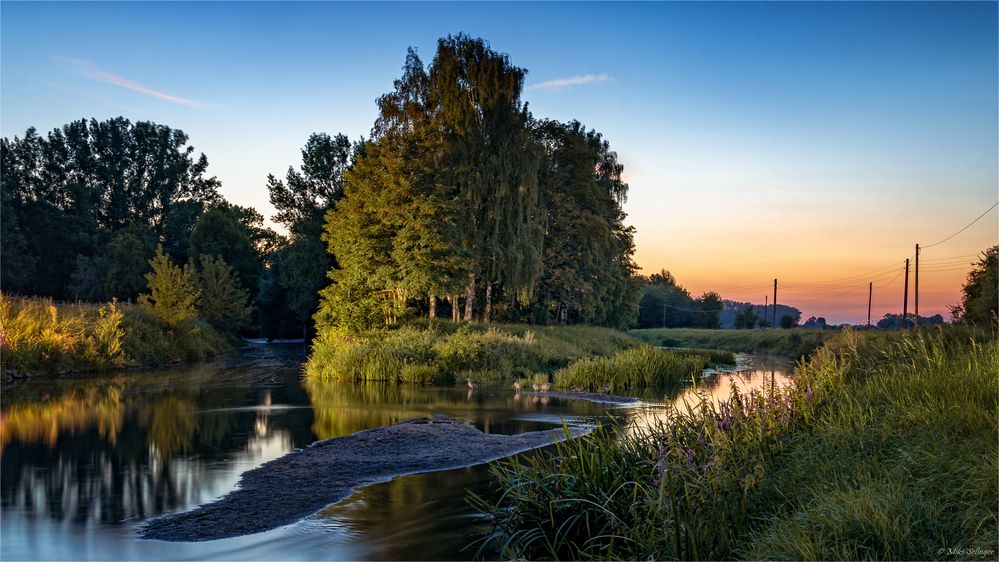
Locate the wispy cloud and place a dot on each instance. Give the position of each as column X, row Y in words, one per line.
column 563, row 83
column 88, row 69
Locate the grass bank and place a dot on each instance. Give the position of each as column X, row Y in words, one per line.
column 884, row 447
column 441, row 353
column 638, row 368
column 38, row 336
column 794, row 343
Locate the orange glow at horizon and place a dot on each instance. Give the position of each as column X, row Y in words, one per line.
column 824, row 272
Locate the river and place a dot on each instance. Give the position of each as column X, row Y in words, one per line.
column 84, row 461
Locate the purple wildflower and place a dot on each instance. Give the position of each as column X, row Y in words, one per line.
column 808, row 393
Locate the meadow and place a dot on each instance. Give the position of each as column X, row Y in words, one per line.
column 40, row 336
column 793, row 344
column 886, row 446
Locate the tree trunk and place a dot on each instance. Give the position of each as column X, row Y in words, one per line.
column 432, row 313
column 470, row 297
column 489, row 303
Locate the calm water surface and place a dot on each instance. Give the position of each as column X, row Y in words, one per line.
column 83, row 462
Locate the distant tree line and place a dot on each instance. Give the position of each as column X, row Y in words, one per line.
column 667, row 304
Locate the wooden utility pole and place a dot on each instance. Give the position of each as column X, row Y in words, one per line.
column 870, row 294
column 905, row 295
column 774, row 323
column 917, row 286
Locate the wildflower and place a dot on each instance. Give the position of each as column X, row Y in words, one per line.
column 808, row 393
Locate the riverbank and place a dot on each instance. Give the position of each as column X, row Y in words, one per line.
column 301, row 483
column 40, row 337
column 885, row 443
column 793, row 343
column 444, row 353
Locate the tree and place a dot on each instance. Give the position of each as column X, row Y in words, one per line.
column 302, row 201
column 980, row 293
column 222, row 302
column 228, row 231
column 66, row 192
column 746, row 318
column 787, row 321
column 173, row 292
column 126, row 258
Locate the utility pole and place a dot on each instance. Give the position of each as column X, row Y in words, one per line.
column 870, row 294
column 917, row 286
column 664, row 315
column 905, row 295
column 774, row 323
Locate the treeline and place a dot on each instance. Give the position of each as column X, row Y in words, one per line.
column 463, row 205
column 667, row 304
column 92, row 208
column 460, row 205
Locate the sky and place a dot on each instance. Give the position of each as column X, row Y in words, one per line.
column 815, row 143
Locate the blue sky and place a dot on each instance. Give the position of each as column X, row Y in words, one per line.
column 809, row 141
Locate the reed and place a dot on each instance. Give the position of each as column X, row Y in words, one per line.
column 631, row 369
column 454, row 353
column 886, row 446
column 40, row 336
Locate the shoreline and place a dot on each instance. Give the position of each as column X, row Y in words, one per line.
column 303, row 482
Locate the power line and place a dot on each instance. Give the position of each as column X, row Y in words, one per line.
column 963, row 229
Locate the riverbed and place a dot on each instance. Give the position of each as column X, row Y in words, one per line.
column 85, row 461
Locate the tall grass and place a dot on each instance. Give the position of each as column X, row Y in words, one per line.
column 885, row 447
column 635, row 369
column 40, row 336
column 439, row 353
column 794, row 343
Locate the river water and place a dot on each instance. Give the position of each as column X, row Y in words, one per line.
column 84, row 461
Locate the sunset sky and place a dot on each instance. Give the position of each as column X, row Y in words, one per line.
column 816, row 143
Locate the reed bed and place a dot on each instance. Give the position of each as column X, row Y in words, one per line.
column 438, row 353
column 884, row 447
column 40, row 336
column 713, row 356
column 632, row 369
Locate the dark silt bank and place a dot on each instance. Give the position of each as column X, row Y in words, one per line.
column 303, row 482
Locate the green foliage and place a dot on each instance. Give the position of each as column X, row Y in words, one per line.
column 746, row 318
column 173, row 291
column 38, row 336
column 847, row 463
column 713, row 356
column 980, row 294
column 666, row 304
column 232, row 233
column 793, row 344
column 453, row 353
column 632, row 369
column 222, row 302
column 787, row 321
column 453, row 197
column 66, row 191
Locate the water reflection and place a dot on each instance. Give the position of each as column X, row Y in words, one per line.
column 82, row 462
